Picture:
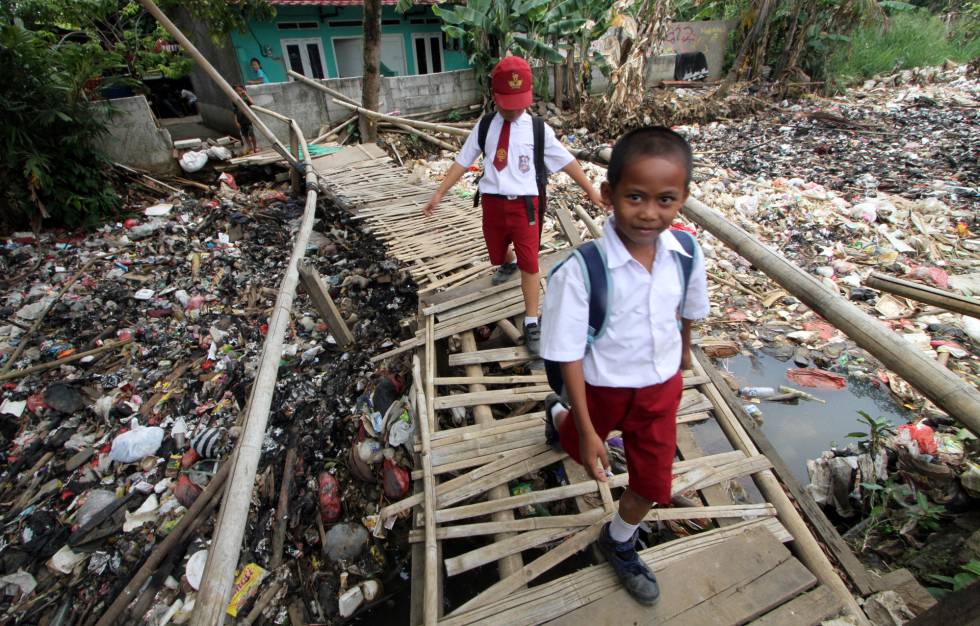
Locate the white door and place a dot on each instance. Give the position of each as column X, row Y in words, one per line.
column 349, row 52
column 428, row 53
column 305, row 56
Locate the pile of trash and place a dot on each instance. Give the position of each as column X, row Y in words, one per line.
column 126, row 362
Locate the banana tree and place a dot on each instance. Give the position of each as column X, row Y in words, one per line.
column 543, row 31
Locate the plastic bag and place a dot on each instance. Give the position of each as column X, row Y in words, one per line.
column 220, row 153
column 95, row 501
column 135, row 444
column 192, row 161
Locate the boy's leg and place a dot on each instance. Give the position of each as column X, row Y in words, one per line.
column 497, row 239
column 650, row 439
column 527, row 238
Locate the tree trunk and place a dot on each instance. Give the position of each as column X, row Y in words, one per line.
column 371, row 79
column 750, row 39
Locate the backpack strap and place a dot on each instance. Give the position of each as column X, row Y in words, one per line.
column 481, row 135
column 598, row 284
column 685, row 263
column 540, row 171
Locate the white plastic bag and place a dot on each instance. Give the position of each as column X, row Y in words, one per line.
column 135, row 444
column 220, row 153
column 192, row 160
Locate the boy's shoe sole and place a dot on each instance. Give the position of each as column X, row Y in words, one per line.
column 503, row 274
column 638, row 580
column 551, row 436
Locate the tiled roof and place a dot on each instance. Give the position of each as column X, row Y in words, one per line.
column 338, row 3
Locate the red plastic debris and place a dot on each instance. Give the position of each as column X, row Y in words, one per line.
column 130, row 223
column 817, row 379
column 825, row 330
column 190, row 458
column 921, row 434
column 934, row 275
column 186, row 491
column 35, row 403
column 329, row 495
column 396, row 480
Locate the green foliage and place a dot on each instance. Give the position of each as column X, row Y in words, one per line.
column 910, row 39
column 539, row 30
column 48, row 166
column 967, row 574
column 878, row 429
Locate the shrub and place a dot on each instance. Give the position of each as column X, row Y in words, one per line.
column 910, row 39
column 48, row 165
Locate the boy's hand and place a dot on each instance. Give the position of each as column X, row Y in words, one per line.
column 592, row 449
column 596, row 198
column 430, row 207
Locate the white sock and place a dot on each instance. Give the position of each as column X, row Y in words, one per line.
column 619, row 530
column 556, row 409
column 528, row 319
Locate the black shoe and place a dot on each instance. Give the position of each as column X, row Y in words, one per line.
column 503, row 273
column 532, row 338
column 551, row 436
column 632, row 572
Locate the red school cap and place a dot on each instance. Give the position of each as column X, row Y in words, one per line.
column 511, row 79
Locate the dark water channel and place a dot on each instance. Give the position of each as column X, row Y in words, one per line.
column 802, row 431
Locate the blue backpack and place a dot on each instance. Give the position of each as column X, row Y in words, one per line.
column 599, row 287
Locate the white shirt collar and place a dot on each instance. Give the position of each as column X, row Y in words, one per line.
column 520, row 120
column 617, row 254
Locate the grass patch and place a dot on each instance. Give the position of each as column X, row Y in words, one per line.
column 908, row 40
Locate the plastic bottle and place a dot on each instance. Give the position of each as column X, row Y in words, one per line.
column 753, row 410
column 757, row 392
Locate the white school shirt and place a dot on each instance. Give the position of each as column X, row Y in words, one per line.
column 641, row 345
column 518, row 178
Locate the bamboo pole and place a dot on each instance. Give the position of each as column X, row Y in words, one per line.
column 430, row 611
column 394, row 119
column 160, row 552
column 219, row 80
column 312, row 83
column 219, row 572
column 924, row 293
column 112, row 345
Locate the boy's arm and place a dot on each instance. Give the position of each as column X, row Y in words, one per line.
column 592, row 450
column 455, row 172
column 574, row 169
column 685, row 344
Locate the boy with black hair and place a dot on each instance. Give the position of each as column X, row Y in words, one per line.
column 511, row 188
column 628, row 376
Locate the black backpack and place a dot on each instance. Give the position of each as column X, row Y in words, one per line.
column 540, row 173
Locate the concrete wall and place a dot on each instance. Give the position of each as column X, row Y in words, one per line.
column 263, row 40
column 405, row 95
column 214, row 107
column 134, row 138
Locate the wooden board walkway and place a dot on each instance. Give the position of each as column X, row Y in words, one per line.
column 736, row 557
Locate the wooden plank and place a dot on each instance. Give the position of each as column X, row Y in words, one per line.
column 495, row 355
column 737, row 605
column 693, row 582
column 511, row 545
column 491, row 380
column 497, row 396
column 570, row 592
column 324, row 305
column 714, row 495
column 567, row 223
column 808, row 609
column 464, row 432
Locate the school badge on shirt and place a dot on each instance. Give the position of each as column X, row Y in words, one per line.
column 524, row 163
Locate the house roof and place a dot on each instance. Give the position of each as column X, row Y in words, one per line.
column 338, row 3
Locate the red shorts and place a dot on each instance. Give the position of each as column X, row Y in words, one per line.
column 505, row 222
column 647, row 418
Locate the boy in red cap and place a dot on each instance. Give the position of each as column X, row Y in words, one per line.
column 511, row 186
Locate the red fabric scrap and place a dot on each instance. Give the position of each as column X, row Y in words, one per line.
column 817, row 379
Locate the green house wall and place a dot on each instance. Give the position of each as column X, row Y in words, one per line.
column 263, row 40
